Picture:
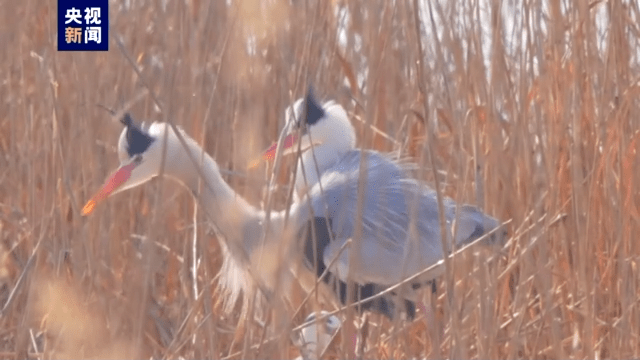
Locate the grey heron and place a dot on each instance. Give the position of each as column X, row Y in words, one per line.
column 324, row 219
column 327, row 142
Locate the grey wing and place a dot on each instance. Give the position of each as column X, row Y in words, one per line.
column 393, row 203
column 472, row 224
column 387, row 196
column 317, row 235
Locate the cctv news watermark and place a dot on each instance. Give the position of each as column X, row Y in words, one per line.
column 83, row 25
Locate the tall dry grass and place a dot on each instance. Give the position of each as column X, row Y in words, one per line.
column 535, row 121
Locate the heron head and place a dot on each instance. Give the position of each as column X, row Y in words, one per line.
column 140, row 160
column 314, row 124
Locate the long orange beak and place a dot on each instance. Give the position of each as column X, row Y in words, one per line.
column 114, row 182
column 270, row 153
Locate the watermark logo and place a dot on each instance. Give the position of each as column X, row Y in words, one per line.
column 83, row 25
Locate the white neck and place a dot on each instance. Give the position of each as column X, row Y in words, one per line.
column 325, row 155
column 229, row 210
column 241, row 225
column 322, row 157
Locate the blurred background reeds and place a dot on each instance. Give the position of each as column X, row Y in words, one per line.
column 531, row 108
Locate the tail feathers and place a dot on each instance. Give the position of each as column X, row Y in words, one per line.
column 473, row 224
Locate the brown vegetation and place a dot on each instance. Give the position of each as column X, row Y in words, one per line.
column 543, row 132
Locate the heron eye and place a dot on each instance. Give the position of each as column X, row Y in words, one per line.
column 137, row 159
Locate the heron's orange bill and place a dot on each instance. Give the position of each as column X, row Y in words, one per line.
column 270, row 153
column 115, row 181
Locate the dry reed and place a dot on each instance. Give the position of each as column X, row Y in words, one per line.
column 534, row 117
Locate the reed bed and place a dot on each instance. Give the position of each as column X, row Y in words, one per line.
column 530, row 109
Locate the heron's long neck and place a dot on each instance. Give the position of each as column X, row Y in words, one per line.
column 231, row 214
column 240, row 224
column 325, row 155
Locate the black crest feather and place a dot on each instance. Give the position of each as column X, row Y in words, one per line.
column 137, row 140
column 313, row 111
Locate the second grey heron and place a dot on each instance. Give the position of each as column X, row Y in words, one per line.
column 327, row 144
